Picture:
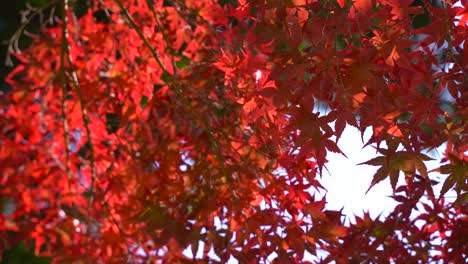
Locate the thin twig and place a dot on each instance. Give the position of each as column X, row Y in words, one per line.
column 62, row 70
column 182, row 5
column 84, row 113
column 142, row 36
column 211, row 136
column 73, row 77
column 164, row 35
column 13, row 42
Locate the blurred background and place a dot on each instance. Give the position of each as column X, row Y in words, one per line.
column 10, row 20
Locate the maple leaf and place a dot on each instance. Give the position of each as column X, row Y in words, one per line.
column 395, row 162
column 138, row 129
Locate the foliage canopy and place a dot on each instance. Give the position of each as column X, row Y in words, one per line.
column 134, row 130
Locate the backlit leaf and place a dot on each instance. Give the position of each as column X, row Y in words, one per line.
column 379, row 176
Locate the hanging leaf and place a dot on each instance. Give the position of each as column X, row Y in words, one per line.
column 143, row 101
column 112, row 122
column 340, row 43
column 136, row 130
column 183, row 62
column 379, row 176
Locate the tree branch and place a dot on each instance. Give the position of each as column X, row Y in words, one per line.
column 73, row 77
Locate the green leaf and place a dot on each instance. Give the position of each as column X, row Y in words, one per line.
column 402, row 161
column 381, row 230
column 139, row 60
column 80, row 8
column 84, row 150
column 167, row 3
column 38, row 3
column 155, row 215
column 112, row 122
column 150, row 3
column 184, row 62
column 404, row 116
column 340, row 43
column 19, row 254
column 303, row 45
column 143, row 101
column 253, row 11
column 283, row 46
column 356, row 40
column 182, row 47
column 220, row 112
column 421, row 20
column 426, row 129
column 166, row 77
column 157, row 87
column 308, row 76
column 424, row 90
column 228, row 2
